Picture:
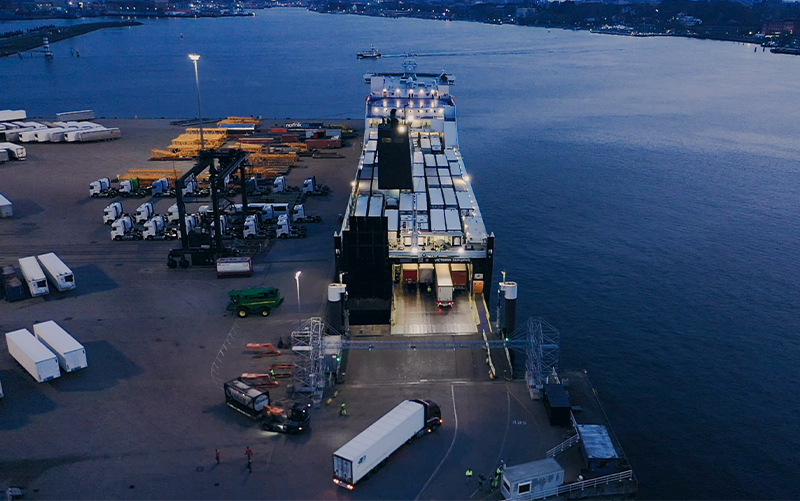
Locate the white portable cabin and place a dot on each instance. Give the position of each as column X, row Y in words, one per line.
column 59, row 273
column 34, row 276
column 525, row 481
column 70, row 353
column 6, row 207
column 40, row 362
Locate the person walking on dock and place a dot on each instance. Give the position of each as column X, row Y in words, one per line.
column 468, row 474
column 343, row 409
column 249, row 453
column 481, row 480
column 217, row 454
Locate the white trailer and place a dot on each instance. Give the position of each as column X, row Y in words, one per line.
column 355, row 459
column 70, row 353
column 14, row 150
column 59, row 273
column 234, row 267
column 34, row 276
column 75, row 115
column 6, row 207
column 40, row 362
column 11, row 115
column 88, row 135
column 3, row 155
column 444, row 286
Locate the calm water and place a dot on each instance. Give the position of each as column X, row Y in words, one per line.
column 644, row 193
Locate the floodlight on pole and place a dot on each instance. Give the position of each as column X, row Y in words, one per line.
column 299, row 314
column 195, row 58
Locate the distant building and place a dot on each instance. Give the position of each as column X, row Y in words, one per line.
column 789, row 26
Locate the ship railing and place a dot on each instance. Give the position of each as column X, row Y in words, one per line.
column 579, row 486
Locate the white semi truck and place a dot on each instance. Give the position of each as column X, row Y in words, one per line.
column 144, row 212
column 59, row 273
column 112, row 212
column 70, row 353
column 358, row 457
column 14, row 150
column 34, row 276
column 31, row 354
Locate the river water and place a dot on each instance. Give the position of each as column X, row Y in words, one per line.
column 643, row 191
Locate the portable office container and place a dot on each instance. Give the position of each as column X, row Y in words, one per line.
column 34, row 276
column 70, row 353
column 59, row 273
column 530, row 480
column 40, row 362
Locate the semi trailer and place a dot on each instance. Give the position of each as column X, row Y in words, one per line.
column 59, row 273
column 34, row 276
column 70, row 353
column 444, row 286
column 31, row 354
column 12, row 286
column 361, row 455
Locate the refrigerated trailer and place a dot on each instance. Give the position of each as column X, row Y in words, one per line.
column 358, row 457
column 6, row 207
column 70, row 353
column 34, row 276
column 40, row 362
column 59, row 273
column 444, row 286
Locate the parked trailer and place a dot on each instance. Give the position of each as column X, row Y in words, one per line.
column 104, row 134
column 459, row 275
column 6, row 207
column 4, row 155
column 70, row 353
column 444, row 286
column 40, row 362
column 34, row 276
column 14, row 150
column 234, row 267
column 12, row 286
column 11, row 115
column 59, row 273
column 358, row 457
column 75, row 115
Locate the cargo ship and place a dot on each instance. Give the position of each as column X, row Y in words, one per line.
column 413, row 239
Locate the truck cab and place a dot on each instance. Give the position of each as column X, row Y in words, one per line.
column 433, row 414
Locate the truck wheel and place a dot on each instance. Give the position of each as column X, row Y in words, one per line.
column 242, row 313
column 265, row 312
column 184, row 263
column 302, row 235
column 117, row 237
column 150, row 238
column 172, row 263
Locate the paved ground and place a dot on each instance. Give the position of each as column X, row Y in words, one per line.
column 143, row 420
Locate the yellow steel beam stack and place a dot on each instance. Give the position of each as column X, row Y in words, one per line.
column 251, row 148
column 150, row 175
column 240, row 120
column 300, row 147
column 208, row 132
column 273, row 159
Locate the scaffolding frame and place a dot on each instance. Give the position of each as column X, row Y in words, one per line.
column 542, row 354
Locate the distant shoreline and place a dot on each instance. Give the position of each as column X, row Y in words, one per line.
column 33, row 40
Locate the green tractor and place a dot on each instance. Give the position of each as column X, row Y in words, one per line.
column 255, row 301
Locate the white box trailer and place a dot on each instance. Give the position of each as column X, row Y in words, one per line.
column 59, row 273
column 355, row 459
column 234, row 267
column 70, row 353
column 14, row 150
column 88, row 135
column 444, row 286
column 40, row 362
column 75, row 115
column 6, row 207
column 11, row 115
column 34, row 276
column 3, row 155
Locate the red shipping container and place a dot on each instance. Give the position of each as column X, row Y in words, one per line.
column 324, row 143
column 409, row 273
column 290, row 138
column 278, row 130
column 458, row 272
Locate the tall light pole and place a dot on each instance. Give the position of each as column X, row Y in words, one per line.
column 299, row 315
column 195, row 58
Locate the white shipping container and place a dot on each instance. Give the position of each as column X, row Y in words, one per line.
column 234, row 266
column 3, row 155
column 359, row 456
column 70, row 353
column 34, row 276
column 59, row 273
column 40, row 362
column 6, row 207
column 85, row 136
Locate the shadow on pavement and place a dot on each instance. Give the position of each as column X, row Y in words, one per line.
column 107, row 365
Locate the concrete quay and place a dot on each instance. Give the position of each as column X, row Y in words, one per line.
column 143, row 420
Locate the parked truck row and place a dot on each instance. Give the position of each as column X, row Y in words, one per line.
column 133, row 187
column 47, row 352
column 37, row 274
column 57, row 132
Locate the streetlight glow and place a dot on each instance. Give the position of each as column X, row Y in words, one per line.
column 195, row 58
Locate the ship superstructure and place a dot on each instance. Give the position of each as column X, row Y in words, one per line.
column 412, row 204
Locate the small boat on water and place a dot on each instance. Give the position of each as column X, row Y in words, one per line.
column 372, row 53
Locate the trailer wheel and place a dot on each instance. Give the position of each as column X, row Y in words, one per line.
column 184, row 263
column 265, row 312
column 242, row 313
column 172, row 263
